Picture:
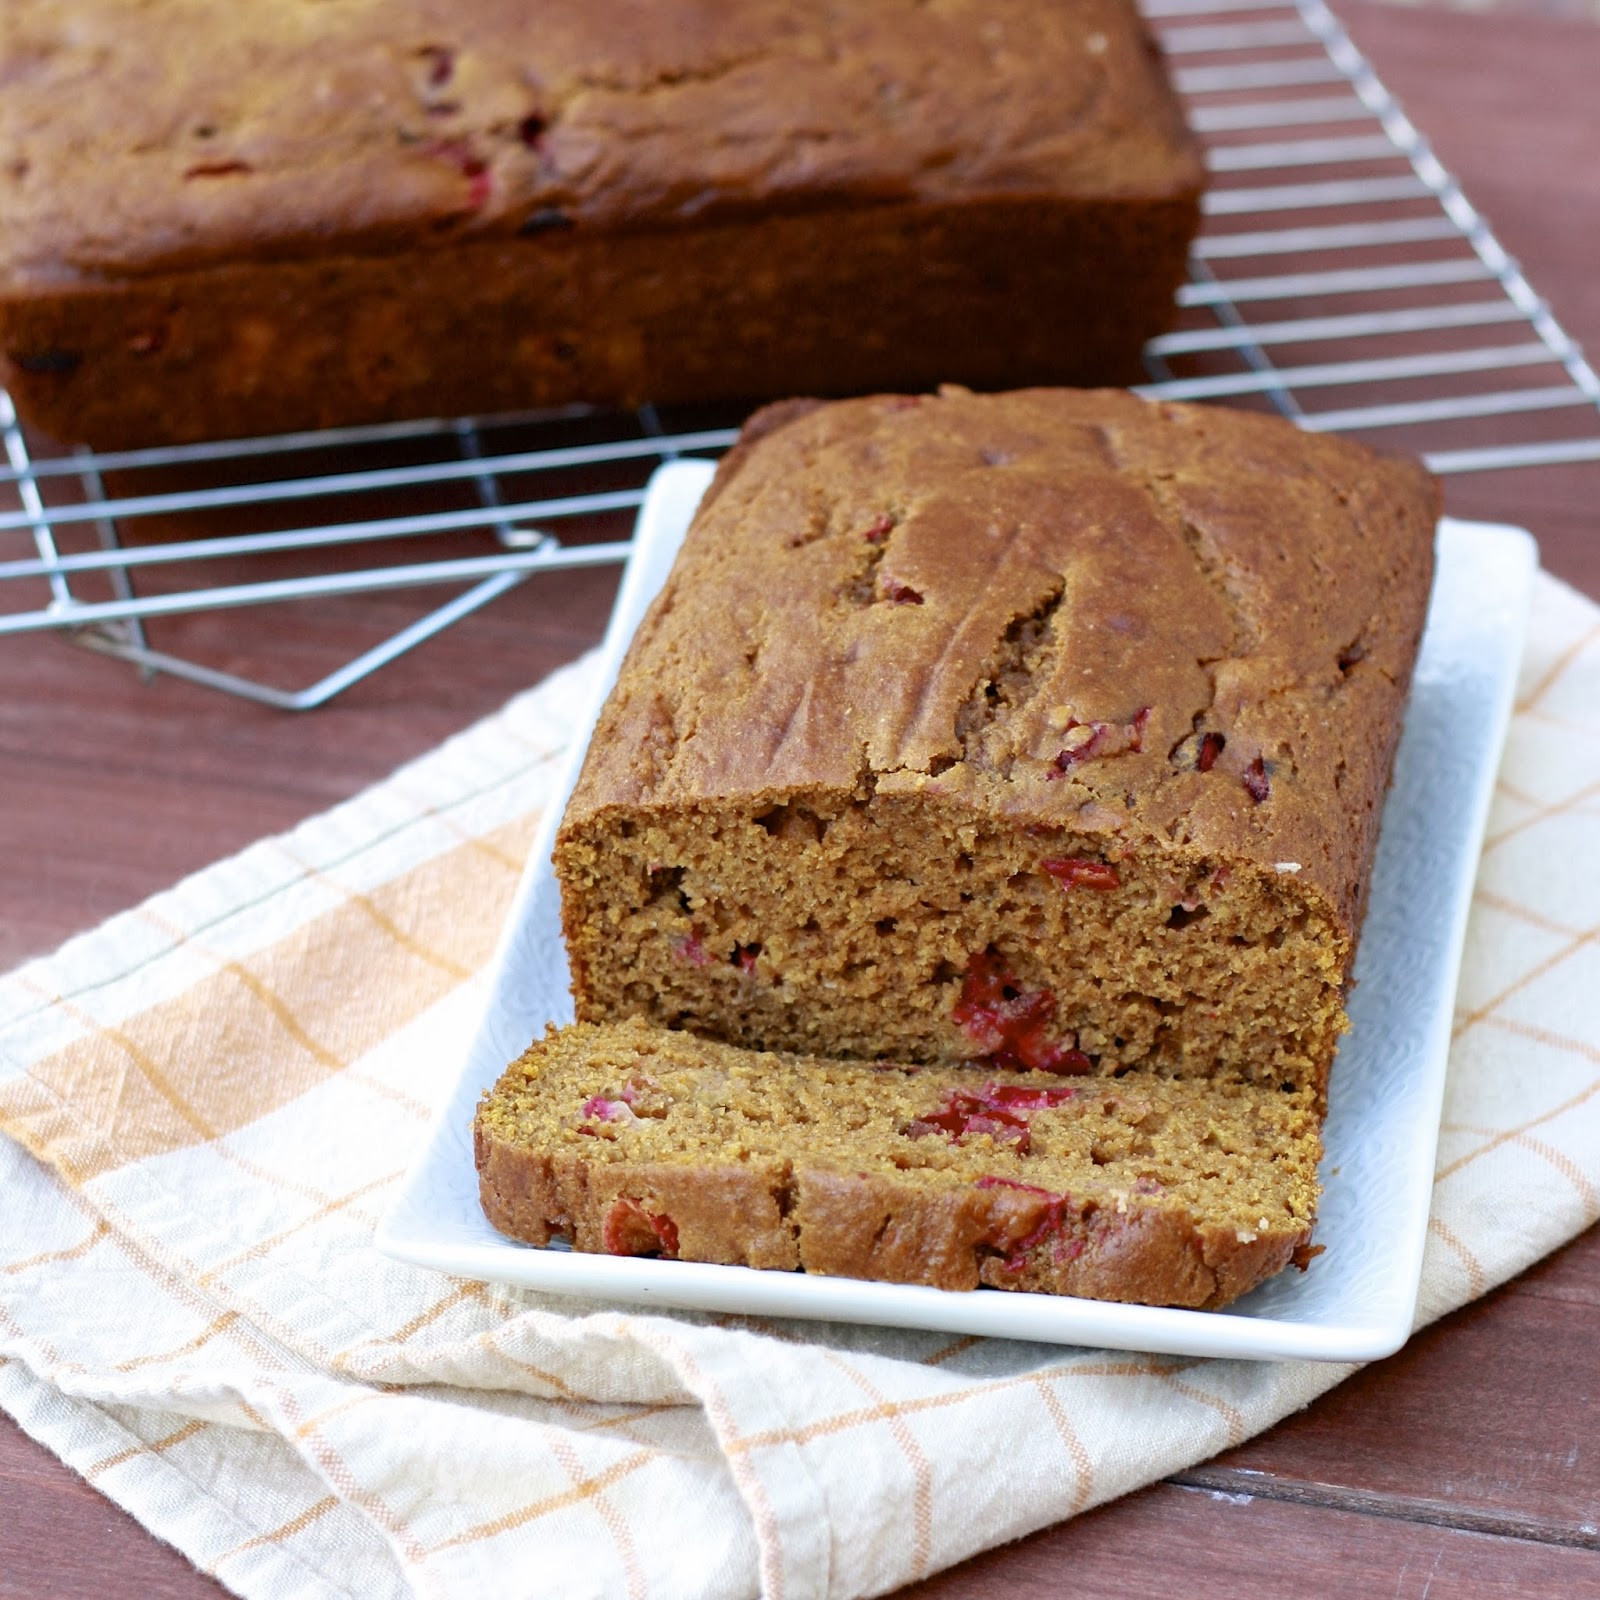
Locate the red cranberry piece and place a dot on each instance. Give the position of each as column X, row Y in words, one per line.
column 900, row 594
column 960, row 1106
column 988, row 1182
column 1100, row 733
column 441, row 64
column 1008, row 1023
column 1211, row 746
column 1040, row 1053
column 994, row 1115
column 1002, row 1129
column 470, row 165
column 1076, row 872
column 744, row 957
column 1052, row 1215
column 879, row 528
column 604, row 1110
column 984, row 983
column 690, row 949
column 995, row 1109
column 1255, row 780
column 630, row 1230
column 1025, row 1097
column 993, row 1008
column 1105, row 739
column 951, row 1118
column 1025, row 1246
column 964, row 1112
column 217, row 169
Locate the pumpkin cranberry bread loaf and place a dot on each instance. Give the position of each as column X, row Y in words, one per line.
column 638, row 1140
column 280, row 215
column 1048, row 730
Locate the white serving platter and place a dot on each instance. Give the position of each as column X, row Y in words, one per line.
column 1357, row 1300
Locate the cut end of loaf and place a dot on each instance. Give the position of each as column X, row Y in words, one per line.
column 630, row 1139
column 1046, row 725
column 912, row 929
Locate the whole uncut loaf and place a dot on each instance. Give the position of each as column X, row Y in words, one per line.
column 631, row 1139
column 279, row 215
column 1048, row 729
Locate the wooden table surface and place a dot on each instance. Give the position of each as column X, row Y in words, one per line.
column 1467, row 1465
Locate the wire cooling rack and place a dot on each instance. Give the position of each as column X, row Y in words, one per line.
column 1341, row 278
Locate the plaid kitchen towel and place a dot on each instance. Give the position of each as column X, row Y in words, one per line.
column 211, row 1098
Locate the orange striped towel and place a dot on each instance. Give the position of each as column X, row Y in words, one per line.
column 210, row 1099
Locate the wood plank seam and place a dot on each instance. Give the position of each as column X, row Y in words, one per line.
column 1393, row 1507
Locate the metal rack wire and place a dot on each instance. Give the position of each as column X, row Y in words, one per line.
column 1341, row 278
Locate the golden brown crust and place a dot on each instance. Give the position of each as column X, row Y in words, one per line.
column 371, row 210
column 850, row 1225
column 730, row 1215
column 411, row 122
column 855, row 1226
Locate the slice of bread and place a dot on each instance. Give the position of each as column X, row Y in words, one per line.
column 633, row 1139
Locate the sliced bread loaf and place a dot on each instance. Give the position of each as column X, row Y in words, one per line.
column 1050, row 729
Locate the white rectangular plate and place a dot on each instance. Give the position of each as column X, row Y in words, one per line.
column 1357, row 1300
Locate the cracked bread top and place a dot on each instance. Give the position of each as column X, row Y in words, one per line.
column 1156, row 624
column 179, row 132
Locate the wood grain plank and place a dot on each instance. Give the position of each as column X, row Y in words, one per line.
column 1491, row 1419
column 1508, row 104
column 60, row 1539
column 1175, row 1543
column 113, row 788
